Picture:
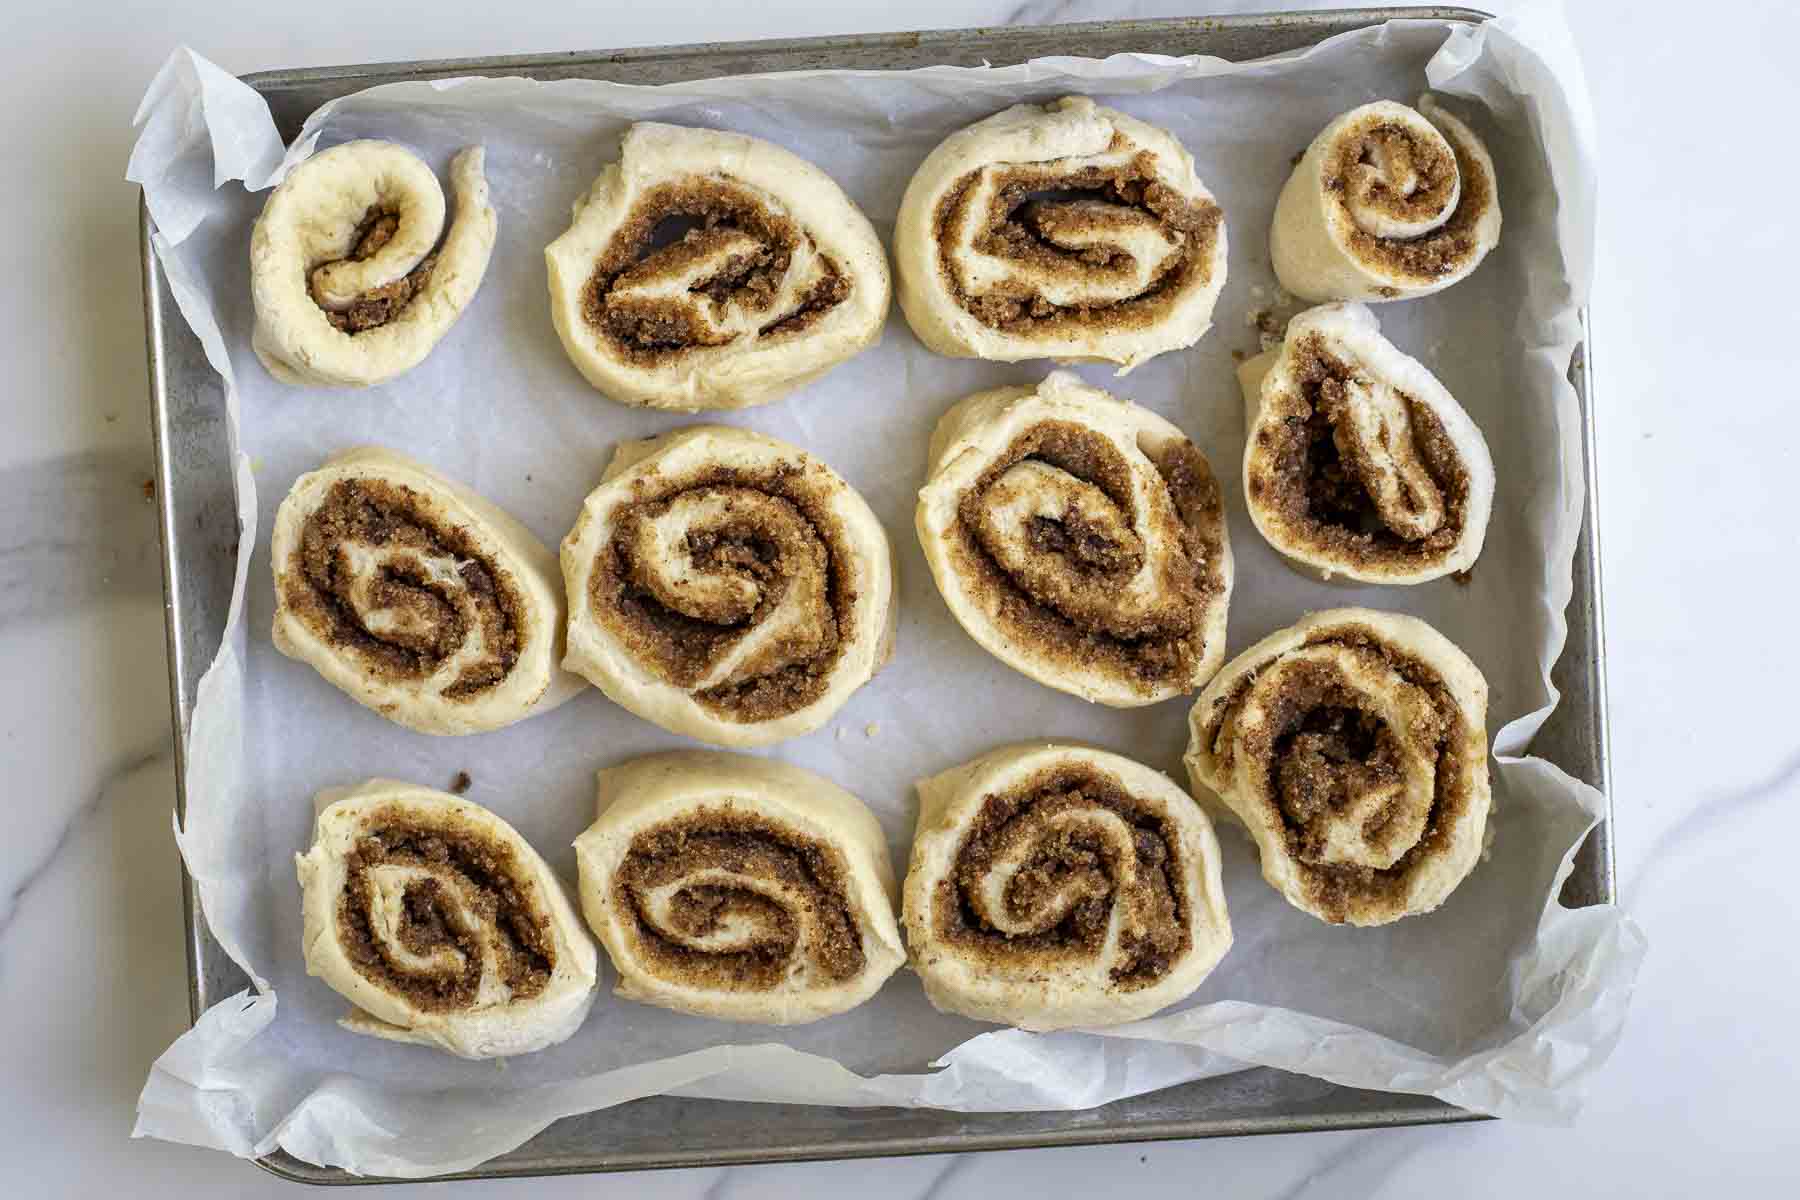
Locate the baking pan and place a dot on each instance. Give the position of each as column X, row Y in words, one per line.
column 199, row 535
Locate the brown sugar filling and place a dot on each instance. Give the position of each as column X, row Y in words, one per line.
column 810, row 920
column 1317, row 495
column 801, row 534
column 1164, row 646
column 718, row 213
column 1434, row 255
column 467, row 866
column 319, row 587
column 377, row 306
column 1033, row 207
column 1323, row 749
column 1071, row 881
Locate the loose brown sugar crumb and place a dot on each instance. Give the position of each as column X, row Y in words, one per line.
column 378, row 306
column 474, row 894
column 813, row 922
column 1025, row 227
column 777, row 532
column 1071, row 620
column 725, row 218
column 429, row 618
column 1058, row 905
column 1324, row 749
column 1311, row 483
column 1436, row 254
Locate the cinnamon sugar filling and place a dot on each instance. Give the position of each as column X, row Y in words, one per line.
column 773, row 538
column 1441, row 252
column 1059, row 904
column 1038, row 211
column 1061, row 619
column 672, row 228
column 377, row 306
column 403, row 620
column 804, row 914
column 1324, row 750
column 1313, row 479
column 471, row 896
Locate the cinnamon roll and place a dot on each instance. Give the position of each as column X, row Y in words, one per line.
column 1058, row 885
column 352, row 273
column 417, row 597
column 1079, row 539
column 1353, row 749
column 440, row 924
column 1387, row 203
column 738, row 888
column 1358, row 462
column 1064, row 231
column 727, row 586
column 775, row 278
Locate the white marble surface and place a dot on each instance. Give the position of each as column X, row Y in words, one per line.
column 1698, row 254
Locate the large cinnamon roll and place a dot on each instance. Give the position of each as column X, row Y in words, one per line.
column 1353, row 748
column 738, row 888
column 352, row 273
column 440, row 924
column 1080, row 539
column 712, row 270
column 1065, row 231
column 1387, row 203
column 1057, row 885
column 1358, row 462
column 417, row 597
column 727, row 586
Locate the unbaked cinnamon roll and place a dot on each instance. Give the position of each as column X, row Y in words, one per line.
column 440, row 924
column 1387, row 203
column 1353, row 749
column 727, row 586
column 738, row 888
column 352, row 273
column 772, row 277
column 1358, row 462
column 1064, row 231
column 417, row 597
column 1080, row 539
column 1058, row 885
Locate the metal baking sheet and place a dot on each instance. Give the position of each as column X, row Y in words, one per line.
column 199, row 536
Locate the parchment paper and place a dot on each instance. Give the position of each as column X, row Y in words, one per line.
column 1500, row 1002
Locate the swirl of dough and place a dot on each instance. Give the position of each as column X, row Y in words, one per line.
column 1057, row 885
column 440, row 924
column 1387, row 203
column 1066, row 231
column 710, row 270
column 352, row 273
column 727, row 586
column 739, row 888
column 1353, row 749
column 1080, row 539
column 417, row 597
column 1359, row 463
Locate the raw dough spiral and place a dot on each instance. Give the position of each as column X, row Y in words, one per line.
column 1065, row 231
column 776, row 278
column 727, row 586
column 417, row 597
column 440, row 924
column 1387, row 203
column 1057, row 885
column 351, row 282
column 739, row 888
column 1358, row 462
column 1080, row 539
column 1353, row 748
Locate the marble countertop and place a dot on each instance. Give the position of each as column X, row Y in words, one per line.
column 1696, row 266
